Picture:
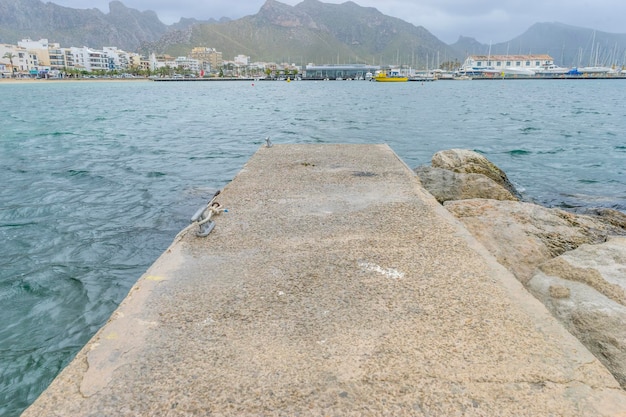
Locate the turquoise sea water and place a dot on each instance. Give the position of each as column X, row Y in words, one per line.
column 97, row 178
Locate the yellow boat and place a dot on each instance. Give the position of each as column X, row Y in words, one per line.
column 393, row 77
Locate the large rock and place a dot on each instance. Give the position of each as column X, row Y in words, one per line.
column 586, row 290
column 606, row 215
column 446, row 185
column 469, row 162
column 563, row 258
column 523, row 235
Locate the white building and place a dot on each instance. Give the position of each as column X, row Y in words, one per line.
column 189, row 64
column 22, row 60
column 242, row 60
column 58, row 57
column 210, row 58
column 511, row 64
column 39, row 52
column 45, row 56
column 89, row 59
column 31, row 44
column 156, row 62
column 118, row 59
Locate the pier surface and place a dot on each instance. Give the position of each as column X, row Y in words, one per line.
column 335, row 285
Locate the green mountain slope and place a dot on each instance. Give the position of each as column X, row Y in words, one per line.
column 313, row 31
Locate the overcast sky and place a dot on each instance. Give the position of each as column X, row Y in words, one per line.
column 485, row 20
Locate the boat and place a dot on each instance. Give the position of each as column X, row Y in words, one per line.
column 485, row 72
column 551, row 69
column 393, row 76
column 594, row 69
column 423, row 76
column 597, row 70
column 517, row 71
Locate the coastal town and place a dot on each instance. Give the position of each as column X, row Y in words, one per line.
column 41, row 59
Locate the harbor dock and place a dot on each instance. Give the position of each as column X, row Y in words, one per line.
column 333, row 285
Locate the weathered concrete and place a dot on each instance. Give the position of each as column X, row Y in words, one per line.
column 335, row 285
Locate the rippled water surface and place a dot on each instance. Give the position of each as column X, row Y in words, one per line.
column 98, row 177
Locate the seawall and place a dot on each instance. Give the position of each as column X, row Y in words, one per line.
column 334, row 285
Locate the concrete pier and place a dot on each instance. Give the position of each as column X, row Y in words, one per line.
column 335, row 285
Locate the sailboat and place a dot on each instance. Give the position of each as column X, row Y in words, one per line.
column 594, row 68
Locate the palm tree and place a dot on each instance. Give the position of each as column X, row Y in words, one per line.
column 10, row 56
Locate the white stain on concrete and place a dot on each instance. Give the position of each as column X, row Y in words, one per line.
column 388, row 272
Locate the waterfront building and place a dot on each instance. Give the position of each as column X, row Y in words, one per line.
column 31, row 44
column 39, row 48
column 161, row 61
column 187, row 64
column 39, row 60
column 208, row 56
column 512, row 64
column 117, row 59
column 58, row 57
column 69, row 58
column 90, row 59
column 141, row 63
column 20, row 62
column 334, row 72
column 137, row 61
column 242, row 60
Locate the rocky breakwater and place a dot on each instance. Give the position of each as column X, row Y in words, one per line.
column 575, row 263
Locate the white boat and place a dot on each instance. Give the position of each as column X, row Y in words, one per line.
column 477, row 71
column 551, row 70
column 596, row 70
column 518, row 71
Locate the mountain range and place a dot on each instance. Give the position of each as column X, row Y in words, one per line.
column 570, row 46
column 310, row 31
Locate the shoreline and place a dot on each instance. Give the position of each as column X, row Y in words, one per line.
column 64, row 80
